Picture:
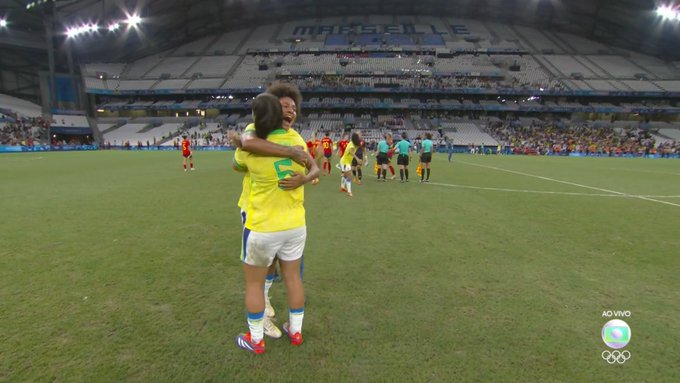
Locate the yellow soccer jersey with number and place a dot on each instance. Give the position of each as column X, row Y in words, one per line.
column 269, row 207
column 239, row 157
column 348, row 156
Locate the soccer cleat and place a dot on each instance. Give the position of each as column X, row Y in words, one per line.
column 349, row 194
column 358, row 182
column 245, row 342
column 270, row 328
column 295, row 339
column 268, row 309
column 315, row 181
column 343, row 190
column 393, row 177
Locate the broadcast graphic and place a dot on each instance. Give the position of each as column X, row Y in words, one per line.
column 616, row 334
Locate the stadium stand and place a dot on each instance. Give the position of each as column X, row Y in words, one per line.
column 464, row 133
column 69, row 121
column 536, row 41
column 261, row 38
column 227, row 43
column 21, row 107
column 126, row 132
column 317, row 56
column 109, row 70
column 171, row 84
column 140, row 67
column 194, row 48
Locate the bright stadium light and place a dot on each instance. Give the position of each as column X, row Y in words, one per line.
column 667, row 12
column 3, row 23
column 71, row 33
column 133, row 20
column 114, row 26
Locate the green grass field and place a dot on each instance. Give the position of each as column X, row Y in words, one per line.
column 118, row 266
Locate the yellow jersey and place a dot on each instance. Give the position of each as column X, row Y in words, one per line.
column 349, row 154
column 271, row 208
column 239, row 157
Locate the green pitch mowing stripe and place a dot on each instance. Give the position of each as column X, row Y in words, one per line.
column 119, row 266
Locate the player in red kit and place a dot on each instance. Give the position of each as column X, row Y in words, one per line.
column 327, row 145
column 389, row 162
column 314, row 147
column 342, row 144
column 310, row 146
column 186, row 153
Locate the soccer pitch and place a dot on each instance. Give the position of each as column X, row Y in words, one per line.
column 119, row 266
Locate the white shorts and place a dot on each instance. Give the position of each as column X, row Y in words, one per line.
column 259, row 249
column 346, row 168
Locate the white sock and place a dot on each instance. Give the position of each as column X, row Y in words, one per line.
column 342, row 182
column 267, row 285
column 256, row 326
column 349, row 186
column 295, row 317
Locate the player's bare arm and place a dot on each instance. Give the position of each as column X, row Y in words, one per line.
column 252, row 144
column 298, row 179
column 235, row 139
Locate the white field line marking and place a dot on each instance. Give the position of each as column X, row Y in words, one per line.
column 572, row 183
column 548, row 191
column 644, row 171
column 659, row 196
column 526, row 191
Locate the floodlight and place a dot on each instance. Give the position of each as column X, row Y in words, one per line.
column 3, row 23
column 668, row 13
column 133, row 20
column 114, row 26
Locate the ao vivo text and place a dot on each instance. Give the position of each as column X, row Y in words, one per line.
column 616, row 313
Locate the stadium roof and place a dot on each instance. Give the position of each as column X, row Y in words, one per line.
column 629, row 24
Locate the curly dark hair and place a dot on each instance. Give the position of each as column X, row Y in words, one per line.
column 282, row 89
column 267, row 114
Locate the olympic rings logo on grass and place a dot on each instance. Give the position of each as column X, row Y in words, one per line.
column 616, row 356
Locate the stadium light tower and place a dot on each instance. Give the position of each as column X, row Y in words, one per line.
column 668, row 12
column 71, row 33
column 3, row 23
column 133, row 20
